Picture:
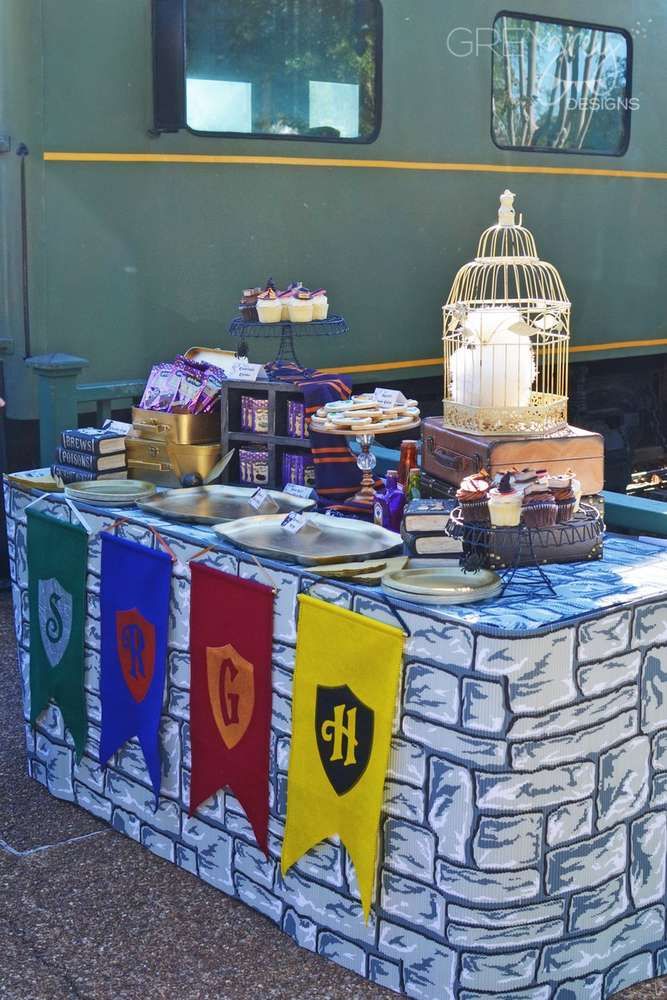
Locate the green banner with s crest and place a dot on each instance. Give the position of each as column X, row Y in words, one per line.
column 57, row 563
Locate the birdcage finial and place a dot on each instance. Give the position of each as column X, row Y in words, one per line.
column 506, row 213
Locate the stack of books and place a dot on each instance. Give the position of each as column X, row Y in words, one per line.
column 91, row 453
column 424, row 529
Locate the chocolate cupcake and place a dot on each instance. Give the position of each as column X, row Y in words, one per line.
column 539, row 509
column 248, row 304
column 472, row 496
column 565, row 497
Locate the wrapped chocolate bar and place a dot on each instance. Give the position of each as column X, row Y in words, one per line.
column 209, row 395
column 296, row 418
column 246, row 413
column 261, row 416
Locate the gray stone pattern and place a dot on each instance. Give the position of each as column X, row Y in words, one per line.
column 524, row 833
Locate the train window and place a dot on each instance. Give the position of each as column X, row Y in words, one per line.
column 306, row 69
column 560, row 86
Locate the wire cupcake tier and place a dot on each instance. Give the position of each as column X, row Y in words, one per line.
column 333, row 326
column 511, row 548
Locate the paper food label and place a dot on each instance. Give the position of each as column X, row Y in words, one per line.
column 297, row 490
column 389, row 397
column 293, row 522
column 258, row 498
column 244, row 371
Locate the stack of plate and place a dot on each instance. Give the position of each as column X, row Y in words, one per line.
column 437, row 584
column 110, row 492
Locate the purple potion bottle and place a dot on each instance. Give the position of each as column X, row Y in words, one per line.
column 388, row 506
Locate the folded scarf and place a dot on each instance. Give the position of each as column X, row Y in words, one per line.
column 337, row 476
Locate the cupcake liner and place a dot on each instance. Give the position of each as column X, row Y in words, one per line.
column 540, row 515
column 565, row 510
column 475, row 511
column 505, row 514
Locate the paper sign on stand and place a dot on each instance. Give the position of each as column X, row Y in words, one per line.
column 293, row 522
column 389, row 397
column 244, row 371
column 297, row 490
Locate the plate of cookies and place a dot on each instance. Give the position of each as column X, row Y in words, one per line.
column 365, row 414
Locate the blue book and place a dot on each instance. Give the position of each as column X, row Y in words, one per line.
column 92, row 441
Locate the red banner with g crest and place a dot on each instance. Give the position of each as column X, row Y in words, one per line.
column 231, row 627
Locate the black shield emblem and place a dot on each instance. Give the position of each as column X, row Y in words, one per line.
column 344, row 731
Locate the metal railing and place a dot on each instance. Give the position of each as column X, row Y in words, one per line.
column 61, row 397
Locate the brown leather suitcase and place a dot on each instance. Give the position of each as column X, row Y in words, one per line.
column 451, row 455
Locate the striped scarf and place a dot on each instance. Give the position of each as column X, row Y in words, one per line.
column 337, row 476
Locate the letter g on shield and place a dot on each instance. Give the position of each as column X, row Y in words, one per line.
column 231, row 692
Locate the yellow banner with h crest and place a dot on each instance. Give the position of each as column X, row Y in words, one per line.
column 345, row 683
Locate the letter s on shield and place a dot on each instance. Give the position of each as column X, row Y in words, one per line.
column 54, row 606
column 231, row 692
column 135, row 645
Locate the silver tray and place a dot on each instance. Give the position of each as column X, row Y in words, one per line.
column 323, row 540
column 441, row 584
column 213, row 504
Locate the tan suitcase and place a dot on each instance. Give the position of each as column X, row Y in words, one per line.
column 450, row 455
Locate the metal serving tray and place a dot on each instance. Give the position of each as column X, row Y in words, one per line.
column 213, row 504
column 323, row 539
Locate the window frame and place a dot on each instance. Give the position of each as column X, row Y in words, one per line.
column 288, row 137
column 544, row 18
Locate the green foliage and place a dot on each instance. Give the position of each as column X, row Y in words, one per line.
column 280, row 46
column 558, row 86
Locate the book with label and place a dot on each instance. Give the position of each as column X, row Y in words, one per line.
column 427, row 515
column 440, row 545
column 93, row 441
column 93, row 463
column 69, row 474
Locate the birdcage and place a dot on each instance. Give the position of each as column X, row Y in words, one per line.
column 506, row 336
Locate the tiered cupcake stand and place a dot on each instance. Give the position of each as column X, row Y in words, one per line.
column 510, row 548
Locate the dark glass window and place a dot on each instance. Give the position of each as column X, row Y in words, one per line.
column 560, row 86
column 305, row 69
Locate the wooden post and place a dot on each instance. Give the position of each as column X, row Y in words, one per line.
column 57, row 374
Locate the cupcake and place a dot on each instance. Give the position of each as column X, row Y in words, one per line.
column 524, row 478
column 561, row 487
column 285, row 299
column 320, row 304
column 473, row 499
column 248, row 304
column 301, row 306
column 505, row 503
column 269, row 306
column 539, row 508
column 576, row 489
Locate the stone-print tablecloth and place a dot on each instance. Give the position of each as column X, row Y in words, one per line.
column 524, row 835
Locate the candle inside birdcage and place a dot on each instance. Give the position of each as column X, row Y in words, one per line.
column 506, row 336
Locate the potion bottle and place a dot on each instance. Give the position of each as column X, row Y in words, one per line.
column 388, row 506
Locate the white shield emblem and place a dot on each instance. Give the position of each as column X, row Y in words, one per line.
column 55, row 619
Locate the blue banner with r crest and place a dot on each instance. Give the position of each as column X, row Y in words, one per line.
column 134, row 601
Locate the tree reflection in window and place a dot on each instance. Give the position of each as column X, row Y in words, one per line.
column 560, row 86
column 304, row 68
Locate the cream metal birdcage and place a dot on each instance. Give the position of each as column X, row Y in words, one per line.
column 506, row 333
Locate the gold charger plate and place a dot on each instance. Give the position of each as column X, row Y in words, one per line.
column 110, row 492
column 322, row 540
column 367, row 571
column 442, row 584
column 46, row 483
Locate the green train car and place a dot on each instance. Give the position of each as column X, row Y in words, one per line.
column 181, row 150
